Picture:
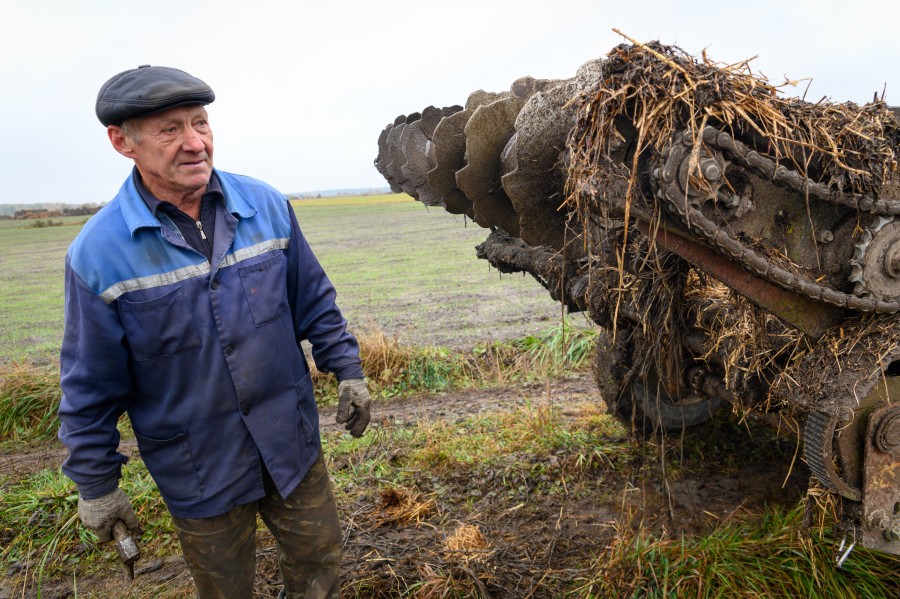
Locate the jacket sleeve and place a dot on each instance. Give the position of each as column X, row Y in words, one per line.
column 96, row 388
column 315, row 313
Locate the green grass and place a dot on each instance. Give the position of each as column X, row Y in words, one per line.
column 751, row 554
column 397, row 266
column 29, row 398
column 758, row 555
column 385, row 198
column 543, row 453
column 38, row 523
column 31, row 288
column 416, row 269
column 30, row 395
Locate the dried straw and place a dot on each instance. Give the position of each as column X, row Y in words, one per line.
column 644, row 94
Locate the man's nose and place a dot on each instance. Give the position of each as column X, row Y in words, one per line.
column 192, row 142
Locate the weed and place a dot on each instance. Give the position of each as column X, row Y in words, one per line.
column 760, row 555
column 29, row 399
column 561, row 347
column 396, row 370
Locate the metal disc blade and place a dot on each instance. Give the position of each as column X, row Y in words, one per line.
column 487, row 133
column 536, row 187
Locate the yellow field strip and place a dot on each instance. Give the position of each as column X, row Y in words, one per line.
column 386, row 198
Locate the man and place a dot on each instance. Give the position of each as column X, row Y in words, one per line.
column 186, row 299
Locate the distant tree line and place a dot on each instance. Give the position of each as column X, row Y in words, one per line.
column 34, row 212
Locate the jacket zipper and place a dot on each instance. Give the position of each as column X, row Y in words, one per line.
column 203, row 236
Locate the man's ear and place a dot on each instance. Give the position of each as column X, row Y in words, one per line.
column 121, row 142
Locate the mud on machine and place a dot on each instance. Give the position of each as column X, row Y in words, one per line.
column 738, row 248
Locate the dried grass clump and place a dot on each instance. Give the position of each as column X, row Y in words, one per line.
column 750, row 343
column 837, row 373
column 661, row 89
column 29, row 399
column 399, row 506
column 467, row 543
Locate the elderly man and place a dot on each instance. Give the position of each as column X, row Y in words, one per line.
column 187, row 297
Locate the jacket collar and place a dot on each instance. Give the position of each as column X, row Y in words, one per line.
column 138, row 215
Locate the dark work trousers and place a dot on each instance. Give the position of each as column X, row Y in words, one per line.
column 221, row 551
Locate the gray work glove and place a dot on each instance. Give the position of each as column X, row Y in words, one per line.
column 353, row 406
column 100, row 515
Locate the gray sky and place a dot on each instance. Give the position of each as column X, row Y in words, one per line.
column 304, row 88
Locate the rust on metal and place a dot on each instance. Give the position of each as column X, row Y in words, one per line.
column 811, row 317
column 881, row 492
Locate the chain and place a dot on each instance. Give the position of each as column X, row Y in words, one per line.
column 683, row 202
column 792, row 179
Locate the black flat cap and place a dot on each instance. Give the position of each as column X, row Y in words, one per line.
column 146, row 90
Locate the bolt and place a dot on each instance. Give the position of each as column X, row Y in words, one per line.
column 878, row 520
column 825, row 236
column 887, row 432
column 710, row 169
column 892, row 260
column 893, row 533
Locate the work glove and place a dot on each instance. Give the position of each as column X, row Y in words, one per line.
column 100, row 515
column 353, row 406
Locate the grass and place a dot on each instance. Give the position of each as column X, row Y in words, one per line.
column 38, row 523
column 757, row 555
column 29, row 398
column 753, row 553
column 31, row 288
column 396, row 265
column 415, row 268
column 30, row 394
column 422, row 485
column 386, row 198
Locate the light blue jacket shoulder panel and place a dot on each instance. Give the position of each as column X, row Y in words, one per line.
column 125, row 228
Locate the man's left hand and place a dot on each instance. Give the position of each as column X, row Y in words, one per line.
column 354, row 406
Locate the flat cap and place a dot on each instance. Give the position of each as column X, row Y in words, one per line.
column 146, row 90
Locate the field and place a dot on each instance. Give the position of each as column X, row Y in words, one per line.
column 411, row 272
column 490, row 470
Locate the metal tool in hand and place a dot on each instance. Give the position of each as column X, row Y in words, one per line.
column 128, row 549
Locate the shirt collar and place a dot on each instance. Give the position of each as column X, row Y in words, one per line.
column 213, row 191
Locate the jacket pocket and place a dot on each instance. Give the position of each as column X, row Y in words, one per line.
column 265, row 288
column 307, row 413
column 171, row 464
column 159, row 327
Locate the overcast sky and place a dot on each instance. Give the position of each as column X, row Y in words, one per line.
column 304, row 88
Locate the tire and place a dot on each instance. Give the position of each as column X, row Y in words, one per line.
column 661, row 413
column 638, row 405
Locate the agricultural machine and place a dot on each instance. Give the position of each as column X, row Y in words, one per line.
column 736, row 247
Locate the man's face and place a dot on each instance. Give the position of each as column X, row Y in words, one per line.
column 175, row 155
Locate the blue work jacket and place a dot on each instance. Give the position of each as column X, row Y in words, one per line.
column 204, row 356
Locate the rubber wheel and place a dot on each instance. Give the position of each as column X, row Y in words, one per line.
column 638, row 407
column 661, row 413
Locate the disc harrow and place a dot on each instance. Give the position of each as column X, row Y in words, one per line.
column 739, row 248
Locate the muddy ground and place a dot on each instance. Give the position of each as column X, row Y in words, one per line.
column 526, row 543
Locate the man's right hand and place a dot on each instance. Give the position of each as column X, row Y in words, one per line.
column 100, row 515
